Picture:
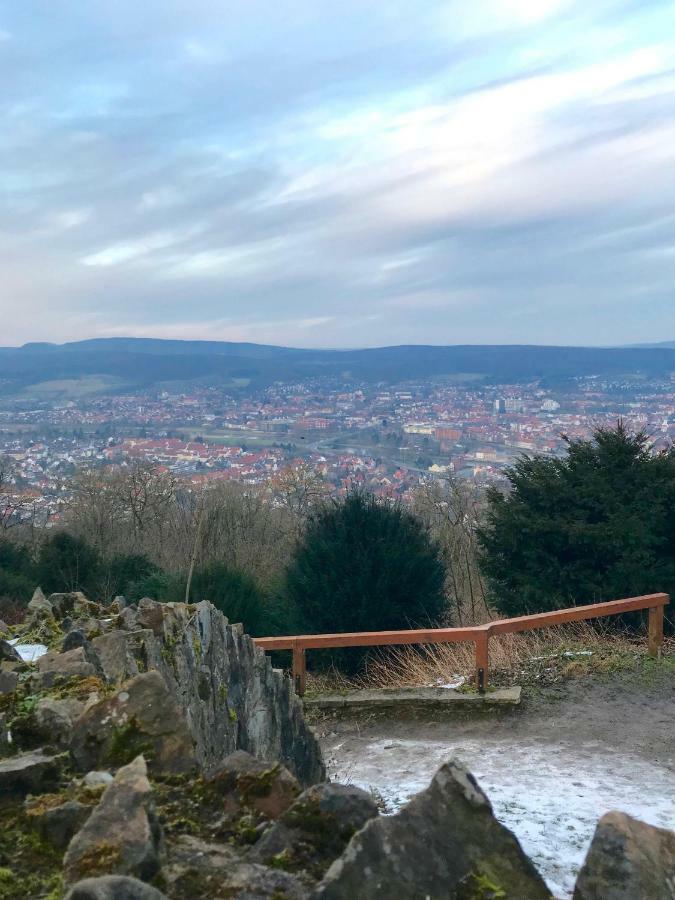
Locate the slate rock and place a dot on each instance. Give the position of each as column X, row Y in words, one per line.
column 316, row 828
column 122, row 836
column 141, row 717
column 627, row 860
column 75, row 638
column 57, row 824
column 39, row 607
column 33, row 772
column 248, row 783
column 8, row 682
column 54, row 719
column 113, row 887
column 198, row 868
column 8, row 653
column 446, row 843
column 115, row 651
column 69, row 664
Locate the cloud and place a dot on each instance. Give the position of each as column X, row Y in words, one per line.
column 387, row 172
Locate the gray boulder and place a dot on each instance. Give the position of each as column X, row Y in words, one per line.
column 627, row 860
column 8, row 653
column 39, row 607
column 54, row 719
column 70, row 664
column 316, row 828
column 246, row 783
column 122, row 836
column 33, row 773
column 446, row 843
column 113, row 887
column 8, row 682
column 116, row 652
column 57, row 824
column 200, row 869
column 141, row 717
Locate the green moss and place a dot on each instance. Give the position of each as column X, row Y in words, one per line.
column 479, row 886
column 197, row 648
column 127, row 742
column 101, row 858
column 232, row 713
column 283, row 860
column 29, row 866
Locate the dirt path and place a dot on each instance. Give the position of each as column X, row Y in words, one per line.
column 551, row 767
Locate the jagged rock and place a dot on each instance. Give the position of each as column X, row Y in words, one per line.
column 115, row 651
column 150, row 615
column 113, row 887
column 54, row 719
column 33, row 773
column 8, row 682
column 248, row 783
column 141, row 717
column 200, row 869
column 122, row 835
column 316, row 828
column 74, row 604
column 57, row 824
column 73, row 639
column 628, row 859
column 231, row 696
column 445, row 843
column 4, row 629
column 118, row 603
column 128, row 618
column 72, row 663
column 8, row 653
column 39, row 606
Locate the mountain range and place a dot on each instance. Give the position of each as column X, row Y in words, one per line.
column 148, row 361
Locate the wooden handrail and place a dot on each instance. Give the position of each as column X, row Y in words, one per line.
column 479, row 634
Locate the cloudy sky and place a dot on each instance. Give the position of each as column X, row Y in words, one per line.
column 338, row 174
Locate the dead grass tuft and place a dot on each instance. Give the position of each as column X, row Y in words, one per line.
column 543, row 655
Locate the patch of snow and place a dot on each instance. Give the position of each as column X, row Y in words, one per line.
column 550, row 796
column 457, row 682
column 578, row 653
column 28, row 652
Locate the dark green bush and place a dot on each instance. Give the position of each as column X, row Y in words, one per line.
column 364, row 565
column 596, row 525
column 67, row 563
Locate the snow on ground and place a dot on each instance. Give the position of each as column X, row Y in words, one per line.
column 551, row 797
column 28, row 652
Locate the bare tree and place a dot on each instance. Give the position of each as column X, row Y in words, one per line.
column 452, row 509
column 15, row 507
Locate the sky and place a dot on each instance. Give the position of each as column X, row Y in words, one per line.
column 338, row 174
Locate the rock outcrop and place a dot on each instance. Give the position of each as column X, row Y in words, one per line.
column 628, row 859
column 157, row 747
column 445, row 843
column 122, row 835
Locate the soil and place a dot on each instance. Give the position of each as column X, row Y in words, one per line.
column 551, row 766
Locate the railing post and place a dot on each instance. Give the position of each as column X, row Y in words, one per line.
column 482, row 660
column 655, row 631
column 299, row 670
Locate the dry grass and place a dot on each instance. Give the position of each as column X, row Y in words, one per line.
column 543, row 655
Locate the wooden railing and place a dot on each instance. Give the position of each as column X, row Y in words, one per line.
column 479, row 634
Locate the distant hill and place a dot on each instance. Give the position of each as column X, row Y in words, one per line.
column 145, row 361
column 663, row 345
